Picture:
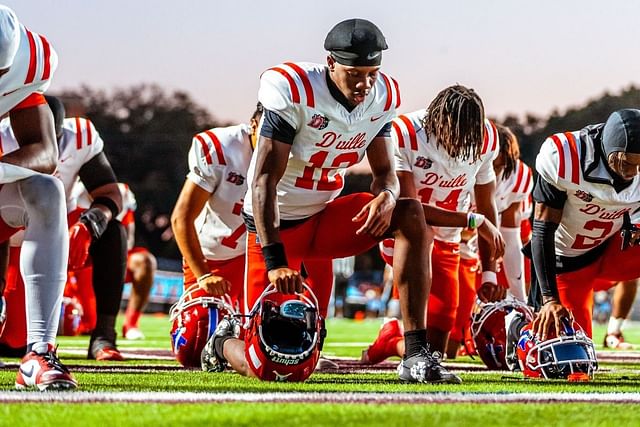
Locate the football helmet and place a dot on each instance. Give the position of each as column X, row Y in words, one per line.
column 70, row 317
column 194, row 319
column 284, row 336
column 489, row 332
column 569, row 354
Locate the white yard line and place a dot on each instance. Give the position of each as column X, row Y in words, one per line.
column 372, row 398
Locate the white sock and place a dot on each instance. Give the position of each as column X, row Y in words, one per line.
column 615, row 325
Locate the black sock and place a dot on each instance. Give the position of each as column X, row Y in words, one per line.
column 218, row 345
column 414, row 341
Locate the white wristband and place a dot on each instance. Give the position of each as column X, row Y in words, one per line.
column 489, row 276
column 474, row 220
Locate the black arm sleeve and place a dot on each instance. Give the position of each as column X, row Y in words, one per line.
column 544, row 256
column 275, row 127
column 97, row 172
column 385, row 132
column 544, row 192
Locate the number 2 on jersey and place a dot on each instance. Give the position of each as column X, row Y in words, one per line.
column 325, row 183
column 588, row 242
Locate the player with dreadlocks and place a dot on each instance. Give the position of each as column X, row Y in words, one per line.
column 444, row 154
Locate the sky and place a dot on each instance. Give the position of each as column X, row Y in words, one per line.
column 521, row 57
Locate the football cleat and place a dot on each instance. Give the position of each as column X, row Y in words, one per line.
column 44, row 371
column 616, row 342
column 209, row 361
column 425, row 367
column 133, row 334
column 104, row 350
column 385, row 345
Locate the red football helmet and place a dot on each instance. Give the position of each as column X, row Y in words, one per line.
column 70, row 317
column 569, row 355
column 489, row 331
column 194, row 319
column 285, row 336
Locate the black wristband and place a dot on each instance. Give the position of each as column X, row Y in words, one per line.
column 274, row 256
column 109, row 203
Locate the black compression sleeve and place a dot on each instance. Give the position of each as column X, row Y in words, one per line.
column 97, row 172
column 275, row 127
column 544, row 256
column 385, row 132
column 544, row 192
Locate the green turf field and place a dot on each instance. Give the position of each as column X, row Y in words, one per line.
column 152, row 390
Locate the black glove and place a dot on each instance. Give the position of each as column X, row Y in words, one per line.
column 95, row 220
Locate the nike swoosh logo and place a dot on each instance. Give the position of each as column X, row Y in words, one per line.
column 373, row 119
column 10, row 92
column 373, row 55
column 65, row 159
column 26, row 373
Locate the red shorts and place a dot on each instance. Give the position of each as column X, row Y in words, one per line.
column 231, row 269
column 576, row 288
column 468, row 275
column 315, row 243
column 15, row 334
column 443, row 299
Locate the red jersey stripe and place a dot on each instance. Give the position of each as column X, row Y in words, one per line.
column 295, row 95
column 46, row 50
column 560, row 149
column 519, row 178
column 308, row 90
column 205, row 149
column 78, row 134
column 528, row 181
column 495, row 136
column 395, row 84
column 217, row 146
column 485, row 140
column 88, row 123
column 31, row 73
column 413, row 138
column 387, row 84
column 575, row 163
column 398, row 132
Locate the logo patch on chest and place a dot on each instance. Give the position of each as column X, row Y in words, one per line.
column 235, row 178
column 318, row 121
column 584, row 196
column 423, row 162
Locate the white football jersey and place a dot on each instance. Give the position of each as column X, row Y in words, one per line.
column 328, row 138
column 440, row 180
column 80, row 142
column 31, row 70
column 516, row 188
column 593, row 212
column 218, row 163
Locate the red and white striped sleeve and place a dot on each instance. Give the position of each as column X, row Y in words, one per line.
column 558, row 160
column 489, row 151
column 405, row 141
column 283, row 88
column 206, row 160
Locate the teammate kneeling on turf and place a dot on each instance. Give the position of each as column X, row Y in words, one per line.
column 281, row 343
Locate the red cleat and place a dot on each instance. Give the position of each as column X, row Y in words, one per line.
column 385, row 344
column 44, row 371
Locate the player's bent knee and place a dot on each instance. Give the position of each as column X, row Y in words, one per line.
column 408, row 218
column 43, row 193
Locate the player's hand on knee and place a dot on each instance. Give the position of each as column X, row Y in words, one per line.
column 79, row 242
column 215, row 285
column 490, row 234
column 376, row 215
column 286, row 280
